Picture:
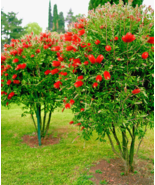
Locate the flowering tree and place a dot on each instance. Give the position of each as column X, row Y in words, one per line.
column 109, row 84
column 29, row 71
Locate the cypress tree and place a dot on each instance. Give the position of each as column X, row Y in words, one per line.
column 55, row 18
column 50, row 18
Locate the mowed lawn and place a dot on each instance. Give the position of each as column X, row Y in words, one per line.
column 65, row 163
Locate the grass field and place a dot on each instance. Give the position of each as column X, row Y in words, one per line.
column 65, row 163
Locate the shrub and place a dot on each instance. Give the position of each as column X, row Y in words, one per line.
column 29, row 76
column 109, row 61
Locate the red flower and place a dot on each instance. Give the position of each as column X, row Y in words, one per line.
column 78, row 124
column 116, row 38
column 45, row 46
column 16, row 81
column 82, row 109
column 72, row 102
column 6, row 74
column 57, row 84
column 54, row 71
column 67, row 106
column 99, row 78
column 56, row 63
column 14, row 76
column 71, row 122
column 32, row 56
column 136, row 91
column 81, row 32
column 47, row 72
column 69, row 48
column 3, row 58
column 128, row 37
column 99, row 59
column 11, row 95
column 23, row 66
column 97, row 42
column 95, row 85
column 78, row 84
column 8, row 82
column 82, row 128
column 80, row 77
column 60, row 58
column 145, row 55
column 15, row 60
column 108, row 48
column 56, row 48
column 106, row 75
column 38, row 51
column 151, row 40
column 86, row 63
column 92, row 59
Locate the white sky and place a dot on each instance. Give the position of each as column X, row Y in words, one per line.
column 37, row 10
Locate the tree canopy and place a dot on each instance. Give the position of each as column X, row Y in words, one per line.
column 33, row 27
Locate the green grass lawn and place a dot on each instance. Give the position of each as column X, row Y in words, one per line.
column 65, row 163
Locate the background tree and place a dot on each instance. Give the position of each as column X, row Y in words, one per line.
column 95, row 3
column 55, row 18
column 33, row 27
column 11, row 27
column 50, row 18
column 61, row 23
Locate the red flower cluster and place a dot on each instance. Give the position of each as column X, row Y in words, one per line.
column 128, row 38
column 11, row 95
column 20, row 66
column 57, row 84
column 136, row 91
column 78, row 84
column 106, row 75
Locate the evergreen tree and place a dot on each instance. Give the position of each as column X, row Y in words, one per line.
column 55, row 18
column 50, row 18
column 95, row 3
column 61, row 23
column 70, row 17
column 11, row 27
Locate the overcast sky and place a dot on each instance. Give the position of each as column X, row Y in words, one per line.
column 37, row 10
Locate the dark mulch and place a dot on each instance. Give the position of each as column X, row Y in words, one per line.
column 32, row 141
column 111, row 173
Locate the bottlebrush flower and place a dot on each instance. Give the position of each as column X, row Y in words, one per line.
column 6, row 74
column 151, row 40
column 67, row 106
column 32, row 56
column 23, row 66
column 16, row 81
column 78, row 124
column 136, row 91
column 69, row 48
column 99, row 59
column 47, row 72
column 8, row 82
column 72, row 101
column 78, row 84
column 106, row 75
column 99, row 78
column 95, row 85
column 3, row 58
column 80, row 77
column 57, row 84
column 60, row 58
column 11, row 95
column 54, row 71
column 86, row 63
column 145, row 55
column 92, row 59
column 116, row 38
column 128, row 38
column 38, row 51
column 71, row 122
column 81, row 32
column 56, row 48
column 14, row 76
column 108, row 48
column 82, row 128
column 15, row 60
column 56, row 63
column 45, row 46
column 97, row 42
column 82, row 109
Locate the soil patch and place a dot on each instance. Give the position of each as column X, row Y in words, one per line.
column 32, row 141
column 111, row 172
